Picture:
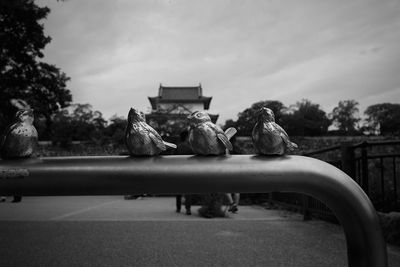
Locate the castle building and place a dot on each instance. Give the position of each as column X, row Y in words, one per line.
column 172, row 106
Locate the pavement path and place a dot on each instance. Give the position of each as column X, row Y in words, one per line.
column 111, row 231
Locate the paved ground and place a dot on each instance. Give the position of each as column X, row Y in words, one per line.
column 110, row 231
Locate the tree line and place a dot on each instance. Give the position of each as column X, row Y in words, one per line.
column 308, row 119
column 81, row 122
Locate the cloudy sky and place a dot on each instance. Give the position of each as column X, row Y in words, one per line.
column 118, row 52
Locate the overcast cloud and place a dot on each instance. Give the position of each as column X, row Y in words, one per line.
column 118, row 52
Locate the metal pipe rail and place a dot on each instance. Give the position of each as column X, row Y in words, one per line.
column 117, row 175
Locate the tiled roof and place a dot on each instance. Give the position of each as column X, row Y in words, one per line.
column 187, row 94
column 180, row 93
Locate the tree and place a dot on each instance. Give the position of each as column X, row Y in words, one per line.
column 306, row 119
column 77, row 123
column 345, row 116
column 229, row 123
column 383, row 118
column 114, row 133
column 248, row 118
column 22, row 75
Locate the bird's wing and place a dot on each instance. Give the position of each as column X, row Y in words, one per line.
column 155, row 137
column 230, row 132
column 281, row 131
column 168, row 144
column 285, row 137
column 10, row 128
column 2, row 141
column 221, row 136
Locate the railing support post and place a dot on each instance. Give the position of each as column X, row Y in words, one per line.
column 364, row 168
column 348, row 160
column 306, row 211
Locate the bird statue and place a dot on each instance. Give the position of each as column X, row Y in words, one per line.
column 141, row 139
column 268, row 137
column 20, row 138
column 206, row 138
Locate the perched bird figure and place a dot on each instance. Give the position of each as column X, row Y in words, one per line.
column 268, row 137
column 206, row 138
column 140, row 138
column 20, row 138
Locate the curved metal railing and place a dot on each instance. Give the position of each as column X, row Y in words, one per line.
column 193, row 174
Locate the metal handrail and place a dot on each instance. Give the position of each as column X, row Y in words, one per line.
column 378, row 156
column 377, row 143
column 320, row 151
column 194, row 174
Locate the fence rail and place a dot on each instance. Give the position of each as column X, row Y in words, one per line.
column 376, row 172
column 191, row 174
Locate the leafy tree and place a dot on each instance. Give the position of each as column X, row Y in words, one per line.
column 22, row 75
column 306, row 119
column 383, row 118
column 345, row 116
column 248, row 118
column 114, row 133
column 80, row 123
column 167, row 128
column 229, row 123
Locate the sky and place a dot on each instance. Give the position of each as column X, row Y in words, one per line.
column 118, row 52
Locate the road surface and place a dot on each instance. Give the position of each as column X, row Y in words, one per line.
column 111, row 231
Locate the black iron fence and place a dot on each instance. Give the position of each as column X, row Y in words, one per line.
column 373, row 165
column 375, row 169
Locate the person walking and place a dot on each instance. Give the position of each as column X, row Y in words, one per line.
column 184, row 149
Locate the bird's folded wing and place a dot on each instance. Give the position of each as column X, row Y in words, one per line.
column 224, row 139
column 3, row 138
column 156, row 139
column 168, row 144
column 230, row 132
column 285, row 137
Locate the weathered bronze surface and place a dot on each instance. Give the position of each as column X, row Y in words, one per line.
column 140, row 138
column 120, row 175
column 205, row 137
column 268, row 137
column 20, row 139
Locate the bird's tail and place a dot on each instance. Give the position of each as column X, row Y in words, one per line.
column 171, row 145
column 292, row 146
column 230, row 132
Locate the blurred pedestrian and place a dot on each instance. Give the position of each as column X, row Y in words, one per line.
column 16, row 199
column 188, row 203
column 184, row 149
column 233, row 202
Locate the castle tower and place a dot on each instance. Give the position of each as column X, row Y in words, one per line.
column 172, row 106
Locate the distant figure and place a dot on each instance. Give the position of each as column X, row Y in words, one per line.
column 16, row 199
column 233, row 203
column 184, row 149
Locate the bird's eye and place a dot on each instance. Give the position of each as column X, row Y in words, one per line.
column 198, row 115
